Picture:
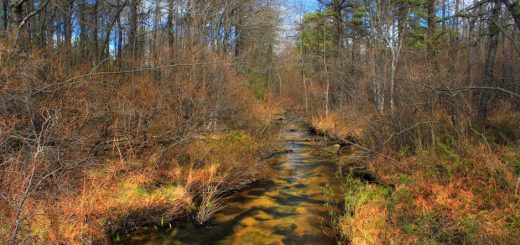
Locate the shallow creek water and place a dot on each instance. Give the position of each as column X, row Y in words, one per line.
column 286, row 208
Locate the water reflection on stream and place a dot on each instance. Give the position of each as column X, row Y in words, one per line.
column 287, row 208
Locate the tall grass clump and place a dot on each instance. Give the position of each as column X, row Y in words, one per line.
column 360, row 216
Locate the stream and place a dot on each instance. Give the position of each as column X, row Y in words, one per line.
column 285, row 208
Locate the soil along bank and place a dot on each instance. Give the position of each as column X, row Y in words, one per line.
column 285, row 207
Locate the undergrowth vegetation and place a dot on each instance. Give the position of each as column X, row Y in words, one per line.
column 456, row 193
column 86, row 156
column 120, row 114
column 431, row 107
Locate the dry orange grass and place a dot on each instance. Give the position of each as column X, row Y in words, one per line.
column 456, row 192
column 125, row 195
column 110, row 200
column 451, row 197
column 368, row 225
column 339, row 127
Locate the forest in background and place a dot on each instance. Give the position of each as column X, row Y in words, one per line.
column 428, row 94
column 121, row 114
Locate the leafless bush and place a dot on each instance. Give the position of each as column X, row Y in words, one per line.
column 57, row 125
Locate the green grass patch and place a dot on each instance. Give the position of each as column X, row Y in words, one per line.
column 361, row 201
column 233, row 141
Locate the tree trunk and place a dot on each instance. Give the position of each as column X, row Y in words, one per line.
column 132, row 34
column 304, row 81
column 338, row 22
column 43, row 22
column 393, row 72
column 432, row 26
column 83, row 29
column 238, row 34
column 119, row 41
column 169, row 23
column 326, row 76
column 105, row 50
column 378, row 84
column 16, row 17
column 96, row 31
column 485, row 94
column 5, row 15
column 67, row 25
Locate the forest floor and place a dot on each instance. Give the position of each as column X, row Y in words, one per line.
column 451, row 193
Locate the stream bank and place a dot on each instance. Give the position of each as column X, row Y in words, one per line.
column 285, row 207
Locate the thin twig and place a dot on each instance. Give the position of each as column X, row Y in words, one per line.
column 507, row 35
column 406, row 129
column 20, row 206
column 455, row 91
column 377, row 153
column 143, row 69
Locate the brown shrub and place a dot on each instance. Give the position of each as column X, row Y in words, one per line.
column 75, row 147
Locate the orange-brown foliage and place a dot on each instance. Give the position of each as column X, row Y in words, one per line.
column 84, row 156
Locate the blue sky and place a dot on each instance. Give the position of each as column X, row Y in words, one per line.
column 305, row 5
column 291, row 11
column 309, row 5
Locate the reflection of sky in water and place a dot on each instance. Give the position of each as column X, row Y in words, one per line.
column 287, row 208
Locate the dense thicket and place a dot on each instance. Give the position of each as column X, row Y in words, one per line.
column 104, row 99
column 409, row 60
column 428, row 91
